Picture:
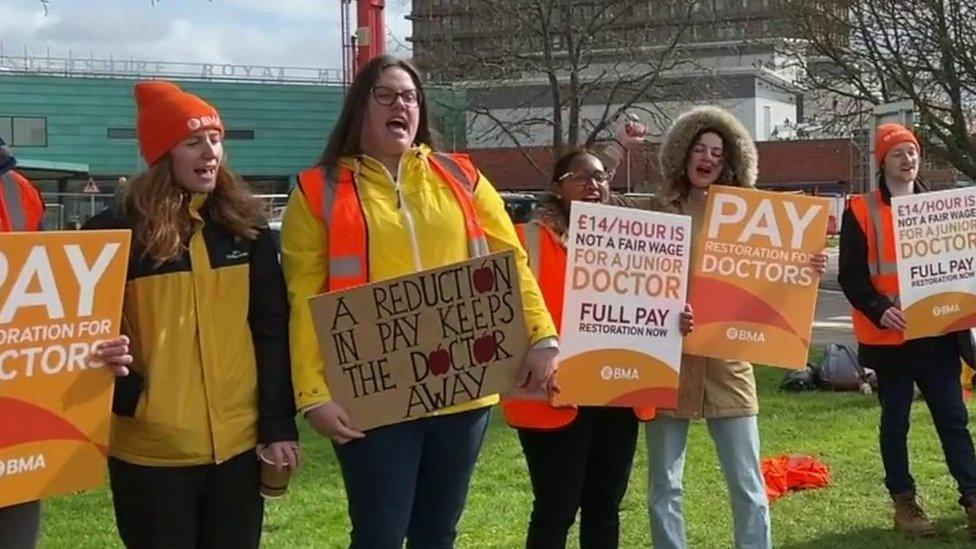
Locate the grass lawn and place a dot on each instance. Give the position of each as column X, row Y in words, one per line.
column 840, row 429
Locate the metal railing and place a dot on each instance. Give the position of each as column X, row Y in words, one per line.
column 72, row 210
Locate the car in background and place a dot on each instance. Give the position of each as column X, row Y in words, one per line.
column 520, row 205
column 275, row 227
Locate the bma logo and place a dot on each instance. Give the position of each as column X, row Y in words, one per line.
column 940, row 310
column 608, row 373
column 206, row 121
column 25, row 464
column 736, row 334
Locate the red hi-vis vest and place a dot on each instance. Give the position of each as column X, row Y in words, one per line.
column 21, row 206
column 336, row 201
column 547, row 259
column 874, row 216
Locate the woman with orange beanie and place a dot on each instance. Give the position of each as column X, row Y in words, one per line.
column 207, row 314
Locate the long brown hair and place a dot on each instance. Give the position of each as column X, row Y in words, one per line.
column 345, row 136
column 158, row 206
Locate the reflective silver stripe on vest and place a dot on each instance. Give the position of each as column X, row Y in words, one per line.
column 328, row 194
column 451, row 166
column 345, row 265
column 533, row 247
column 15, row 203
column 880, row 266
column 478, row 246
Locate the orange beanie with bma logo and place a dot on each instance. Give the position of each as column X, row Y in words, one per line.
column 167, row 115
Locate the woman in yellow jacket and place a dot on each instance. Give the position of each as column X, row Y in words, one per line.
column 206, row 309
column 381, row 204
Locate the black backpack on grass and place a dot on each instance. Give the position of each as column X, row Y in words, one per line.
column 839, row 370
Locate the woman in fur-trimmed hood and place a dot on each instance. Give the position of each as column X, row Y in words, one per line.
column 740, row 159
column 707, row 146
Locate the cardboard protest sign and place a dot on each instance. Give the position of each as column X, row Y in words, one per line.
column 626, row 284
column 753, row 290
column 935, row 247
column 60, row 294
column 402, row 348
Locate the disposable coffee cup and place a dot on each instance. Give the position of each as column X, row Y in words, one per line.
column 274, row 481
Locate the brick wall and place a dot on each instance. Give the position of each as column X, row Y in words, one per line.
column 781, row 163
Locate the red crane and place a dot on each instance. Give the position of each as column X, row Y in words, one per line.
column 369, row 39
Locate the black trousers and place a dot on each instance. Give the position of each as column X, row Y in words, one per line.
column 19, row 525
column 196, row 507
column 932, row 364
column 584, row 467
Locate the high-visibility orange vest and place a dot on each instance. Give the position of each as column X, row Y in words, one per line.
column 547, row 259
column 874, row 216
column 21, row 206
column 334, row 198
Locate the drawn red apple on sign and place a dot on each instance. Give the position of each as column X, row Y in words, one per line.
column 439, row 361
column 484, row 279
column 484, row 348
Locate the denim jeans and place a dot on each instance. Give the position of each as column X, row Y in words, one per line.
column 737, row 444
column 934, row 366
column 410, row 480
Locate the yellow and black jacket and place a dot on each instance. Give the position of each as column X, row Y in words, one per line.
column 209, row 329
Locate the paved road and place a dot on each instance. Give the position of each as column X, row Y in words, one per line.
column 832, row 322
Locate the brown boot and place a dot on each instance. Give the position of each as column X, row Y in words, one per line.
column 969, row 503
column 910, row 519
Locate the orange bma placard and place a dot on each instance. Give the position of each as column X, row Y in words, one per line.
column 60, row 294
column 752, row 288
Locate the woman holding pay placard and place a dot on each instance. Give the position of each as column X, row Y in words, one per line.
column 206, row 310
column 707, row 146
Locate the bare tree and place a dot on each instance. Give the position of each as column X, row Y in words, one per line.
column 563, row 68
column 863, row 53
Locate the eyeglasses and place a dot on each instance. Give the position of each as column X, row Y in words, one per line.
column 597, row 176
column 388, row 96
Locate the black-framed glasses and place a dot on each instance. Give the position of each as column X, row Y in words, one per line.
column 387, row 96
column 596, row 176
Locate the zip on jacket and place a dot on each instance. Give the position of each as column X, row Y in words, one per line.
column 432, row 209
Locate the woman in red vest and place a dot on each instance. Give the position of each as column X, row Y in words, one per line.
column 869, row 277
column 579, row 459
column 382, row 203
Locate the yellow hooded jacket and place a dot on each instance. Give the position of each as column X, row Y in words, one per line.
column 415, row 223
column 210, row 378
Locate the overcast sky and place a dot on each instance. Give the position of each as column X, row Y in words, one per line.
column 260, row 32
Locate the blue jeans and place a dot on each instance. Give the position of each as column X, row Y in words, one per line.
column 410, row 480
column 934, row 366
column 737, row 444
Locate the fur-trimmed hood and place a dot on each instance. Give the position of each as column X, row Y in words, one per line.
column 741, row 157
column 550, row 213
